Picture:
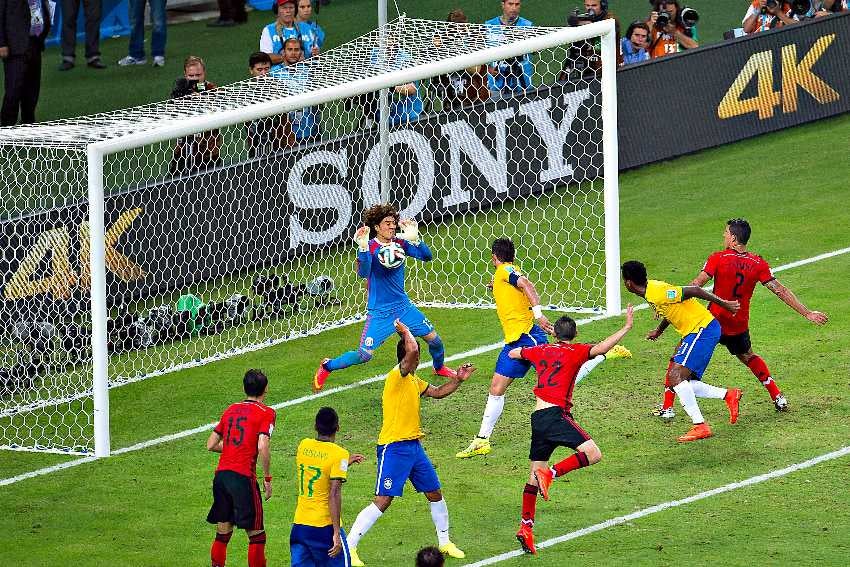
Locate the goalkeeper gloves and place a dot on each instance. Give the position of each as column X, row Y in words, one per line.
column 409, row 231
column 361, row 238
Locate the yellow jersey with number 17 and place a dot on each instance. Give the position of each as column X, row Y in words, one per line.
column 512, row 306
column 686, row 315
column 317, row 463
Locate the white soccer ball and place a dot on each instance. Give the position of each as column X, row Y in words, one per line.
column 391, row 255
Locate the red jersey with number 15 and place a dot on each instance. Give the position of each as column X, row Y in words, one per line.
column 240, row 428
column 557, row 366
column 735, row 276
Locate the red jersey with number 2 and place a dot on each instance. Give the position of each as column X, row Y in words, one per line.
column 240, row 428
column 735, row 277
column 557, row 366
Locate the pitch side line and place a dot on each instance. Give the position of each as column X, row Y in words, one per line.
column 337, row 389
column 667, row 505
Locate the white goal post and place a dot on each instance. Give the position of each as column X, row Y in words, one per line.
column 538, row 164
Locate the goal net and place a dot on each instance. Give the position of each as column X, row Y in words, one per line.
column 147, row 240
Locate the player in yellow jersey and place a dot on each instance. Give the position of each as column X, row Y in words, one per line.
column 678, row 306
column 321, row 466
column 524, row 325
column 400, row 453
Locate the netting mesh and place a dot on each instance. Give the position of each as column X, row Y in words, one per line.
column 231, row 239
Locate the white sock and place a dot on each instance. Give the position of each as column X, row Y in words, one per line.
column 688, row 400
column 492, row 413
column 365, row 520
column 440, row 515
column 588, row 366
column 703, row 390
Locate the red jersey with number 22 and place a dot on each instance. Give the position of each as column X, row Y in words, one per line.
column 240, row 428
column 557, row 366
column 735, row 276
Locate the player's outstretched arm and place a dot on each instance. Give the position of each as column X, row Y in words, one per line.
column 335, row 505
column 525, row 285
column 464, row 371
column 410, row 361
column 694, row 291
column 609, row 343
column 788, row 297
column 215, row 442
column 364, row 259
column 265, row 453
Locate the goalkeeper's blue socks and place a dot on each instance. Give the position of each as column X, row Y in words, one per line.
column 347, row 359
column 438, row 352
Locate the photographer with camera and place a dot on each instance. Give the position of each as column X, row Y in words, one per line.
column 584, row 57
column 199, row 151
column 508, row 77
column 763, row 15
column 633, row 47
column 672, row 28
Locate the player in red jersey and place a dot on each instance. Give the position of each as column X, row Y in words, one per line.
column 736, row 272
column 552, row 424
column 243, row 433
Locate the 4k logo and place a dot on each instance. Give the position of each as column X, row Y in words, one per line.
column 55, row 245
column 794, row 74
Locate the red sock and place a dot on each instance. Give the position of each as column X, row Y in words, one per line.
column 529, row 504
column 759, row 368
column 257, row 550
column 669, row 394
column 572, row 462
column 218, row 552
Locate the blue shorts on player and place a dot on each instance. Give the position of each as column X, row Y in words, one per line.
column 309, row 546
column 695, row 350
column 403, row 460
column 379, row 327
column 517, row 368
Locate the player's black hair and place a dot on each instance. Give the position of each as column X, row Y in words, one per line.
column 565, row 329
column 430, row 557
column 258, row 57
column 740, row 229
column 503, row 249
column 634, row 271
column 255, row 382
column 327, row 422
column 373, row 216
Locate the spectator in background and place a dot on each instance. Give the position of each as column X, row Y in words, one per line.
column 136, row 53
column 199, row 151
column 633, row 47
column 276, row 33
column 835, row 6
column 668, row 32
column 296, row 78
column 763, row 15
column 508, row 77
column 272, row 133
column 92, row 11
column 584, row 57
column 314, row 38
column 230, row 13
column 24, row 25
column 464, row 87
column 430, row 557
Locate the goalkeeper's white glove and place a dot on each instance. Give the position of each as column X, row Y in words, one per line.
column 361, row 238
column 409, row 231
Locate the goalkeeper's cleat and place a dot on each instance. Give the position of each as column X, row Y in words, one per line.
column 525, row 537
column 445, row 372
column 698, row 431
column 355, row 559
column 618, row 351
column 321, row 376
column 451, row 550
column 732, row 399
column 479, row 446
column 664, row 413
column 544, row 481
column 780, row 403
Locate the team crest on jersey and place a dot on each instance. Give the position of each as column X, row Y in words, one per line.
column 343, row 465
column 671, row 294
column 388, row 483
column 368, row 342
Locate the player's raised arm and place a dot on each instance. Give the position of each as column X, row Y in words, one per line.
column 410, row 232
column 464, row 371
column 694, row 291
column 364, row 259
column 788, row 297
column 525, row 285
column 410, row 361
column 607, row 344
column 265, row 454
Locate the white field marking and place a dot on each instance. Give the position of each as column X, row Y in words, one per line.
column 328, row 392
column 667, row 505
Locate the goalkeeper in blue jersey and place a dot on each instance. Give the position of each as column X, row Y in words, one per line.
column 388, row 300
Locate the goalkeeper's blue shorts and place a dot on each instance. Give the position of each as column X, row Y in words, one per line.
column 379, row 327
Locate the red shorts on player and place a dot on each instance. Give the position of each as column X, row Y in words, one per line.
column 236, row 500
